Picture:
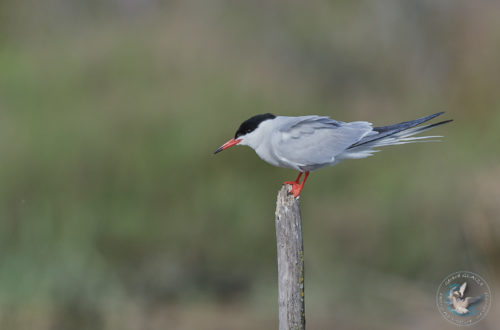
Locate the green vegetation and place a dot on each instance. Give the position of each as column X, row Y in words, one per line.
column 114, row 214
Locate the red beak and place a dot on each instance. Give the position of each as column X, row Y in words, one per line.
column 226, row 145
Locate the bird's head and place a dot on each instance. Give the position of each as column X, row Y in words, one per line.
column 247, row 132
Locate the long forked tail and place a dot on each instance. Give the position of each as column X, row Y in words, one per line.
column 401, row 133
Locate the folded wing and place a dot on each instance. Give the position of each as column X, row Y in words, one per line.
column 315, row 140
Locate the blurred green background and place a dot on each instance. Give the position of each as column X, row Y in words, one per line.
column 114, row 214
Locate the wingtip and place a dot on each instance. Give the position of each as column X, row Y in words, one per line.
column 424, row 119
column 433, row 116
column 442, row 122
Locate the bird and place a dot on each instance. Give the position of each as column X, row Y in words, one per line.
column 309, row 143
column 458, row 300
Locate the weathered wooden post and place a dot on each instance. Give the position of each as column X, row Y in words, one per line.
column 290, row 261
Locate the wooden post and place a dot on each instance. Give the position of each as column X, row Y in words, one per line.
column 290, row 261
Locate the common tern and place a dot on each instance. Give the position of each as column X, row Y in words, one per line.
column 308, row 143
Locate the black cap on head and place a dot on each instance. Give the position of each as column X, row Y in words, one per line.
column 251, row 124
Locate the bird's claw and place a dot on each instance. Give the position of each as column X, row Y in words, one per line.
column 296, row 188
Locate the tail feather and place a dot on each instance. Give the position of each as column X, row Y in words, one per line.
column 405, row 125
column 401, row 133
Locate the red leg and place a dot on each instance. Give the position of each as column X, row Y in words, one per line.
column 294, row 182
column 296, row 187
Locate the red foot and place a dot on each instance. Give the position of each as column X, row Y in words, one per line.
column 296, row 187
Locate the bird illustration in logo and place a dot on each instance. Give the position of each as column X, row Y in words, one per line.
column 459, row 302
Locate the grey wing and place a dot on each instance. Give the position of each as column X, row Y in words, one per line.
column 315, row 140
column 472, row 300
column 288, row 123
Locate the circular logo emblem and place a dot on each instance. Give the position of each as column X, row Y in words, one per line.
column 463, row 298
